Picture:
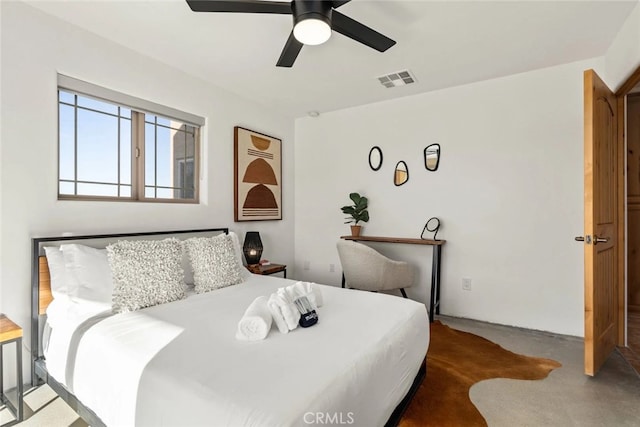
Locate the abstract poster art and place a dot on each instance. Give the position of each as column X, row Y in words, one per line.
column 257, row 176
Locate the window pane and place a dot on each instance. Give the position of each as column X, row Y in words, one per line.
column 165, row 193
column 149, row 192
column 97, row 147
column 167, row 150
column 66, row 188
column 125, row 151
column 125, row 191
column 125, row 112
column 67, row 97
column 149, row 154
column 188, row 172
column 66, row 146
column 190, row 146
column 97, row 190
column 163, row 121
column 94, row 104
column 164, row 162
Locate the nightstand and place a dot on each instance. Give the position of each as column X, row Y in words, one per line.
column 11, row 333
column 265, row 270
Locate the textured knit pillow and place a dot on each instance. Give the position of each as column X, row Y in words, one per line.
column 145, row 273
column 214, row 262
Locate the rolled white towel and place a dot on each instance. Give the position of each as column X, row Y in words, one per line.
column 256, row 321
column 275, row 305
column 289, row 311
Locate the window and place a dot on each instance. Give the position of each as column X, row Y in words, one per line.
column 112, row 147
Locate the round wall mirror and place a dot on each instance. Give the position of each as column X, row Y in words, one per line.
column 401, row 173
column 432, row 157
column 375, row 158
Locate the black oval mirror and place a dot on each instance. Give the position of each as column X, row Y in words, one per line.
column 375, row 158
column 432, row 157
column 401, row 173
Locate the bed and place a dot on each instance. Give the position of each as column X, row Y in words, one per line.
column 179, row 364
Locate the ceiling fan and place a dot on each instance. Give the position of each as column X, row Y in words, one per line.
column 313, row 21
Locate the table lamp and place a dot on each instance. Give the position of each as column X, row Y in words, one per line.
column 252, row 247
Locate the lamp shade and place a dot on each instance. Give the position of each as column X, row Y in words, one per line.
column 252, row 247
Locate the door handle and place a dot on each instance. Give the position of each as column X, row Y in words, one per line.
column 597, row 240
column 586, row 239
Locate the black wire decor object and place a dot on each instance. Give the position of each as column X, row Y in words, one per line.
column 432, row 226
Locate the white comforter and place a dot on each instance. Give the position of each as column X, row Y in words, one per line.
column 179, row 364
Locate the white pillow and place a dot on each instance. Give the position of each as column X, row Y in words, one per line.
column 146, row 273
column 87, row 273
column 64, row 313
column 238, row 251
column 57, row 272
column 214, row 262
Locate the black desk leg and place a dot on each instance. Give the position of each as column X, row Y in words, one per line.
column 343, row 280
column 434, row 303
column 438, row 250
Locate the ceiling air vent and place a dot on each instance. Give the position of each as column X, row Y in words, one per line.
column 399, row 78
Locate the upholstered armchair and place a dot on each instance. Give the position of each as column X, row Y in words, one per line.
column 366, row 269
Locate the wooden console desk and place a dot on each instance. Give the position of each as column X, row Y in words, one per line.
column 434, row 302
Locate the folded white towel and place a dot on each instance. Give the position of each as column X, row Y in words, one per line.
column 275, row 304
column 308, row 289
column 256, row 322
column 289, row 311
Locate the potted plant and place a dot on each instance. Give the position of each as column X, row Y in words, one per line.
column 357, row 212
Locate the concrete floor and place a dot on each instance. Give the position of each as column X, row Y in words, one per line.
column 566, row 397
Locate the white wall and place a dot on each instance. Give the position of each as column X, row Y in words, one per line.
column 509, row 192
column 623, row 56
column 35, row 47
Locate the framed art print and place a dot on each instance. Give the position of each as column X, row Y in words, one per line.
column 257, row 176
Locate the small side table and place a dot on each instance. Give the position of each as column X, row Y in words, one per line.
column 266, row 270
column 11, row 333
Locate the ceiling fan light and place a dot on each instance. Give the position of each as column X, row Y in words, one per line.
column 312, row 31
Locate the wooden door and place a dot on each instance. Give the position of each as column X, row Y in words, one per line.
column 600, row 223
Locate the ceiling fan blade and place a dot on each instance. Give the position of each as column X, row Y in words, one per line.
column 337, row 3
column 290, row 52
column 242, row 6
column 360, row 32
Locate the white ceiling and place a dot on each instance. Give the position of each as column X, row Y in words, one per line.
column 444, row 44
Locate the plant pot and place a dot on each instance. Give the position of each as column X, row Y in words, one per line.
column 355, row 230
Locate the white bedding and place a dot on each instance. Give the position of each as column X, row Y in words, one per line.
column 179, row 364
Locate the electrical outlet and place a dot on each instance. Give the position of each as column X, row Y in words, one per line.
column 332, row 268
column 466, row 283
column 307, row 265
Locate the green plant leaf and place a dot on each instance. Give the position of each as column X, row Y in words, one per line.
column 349, row 210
